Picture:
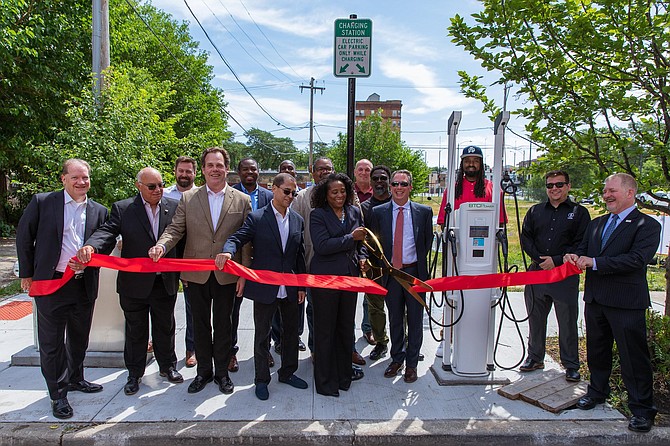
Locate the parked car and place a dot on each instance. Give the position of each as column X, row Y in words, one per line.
column 645, row 197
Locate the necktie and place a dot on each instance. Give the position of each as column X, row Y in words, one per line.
column 397, row 239
column 609, row 230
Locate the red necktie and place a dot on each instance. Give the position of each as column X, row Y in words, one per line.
column 397, row 239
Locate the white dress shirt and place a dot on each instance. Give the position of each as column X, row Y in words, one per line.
column 215, row 204
column 74, row 225
column 282, row 223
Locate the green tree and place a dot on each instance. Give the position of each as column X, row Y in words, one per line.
column 268, row 150
column 594, row 74
column 378, row 141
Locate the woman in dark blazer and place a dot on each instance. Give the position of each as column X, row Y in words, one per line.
column 336, row 228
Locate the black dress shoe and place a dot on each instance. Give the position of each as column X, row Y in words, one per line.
column 132, row 385
column 640, row 424
column 198, row 384
column 588, row 403
column 378, row 352
column 61, row 408
column 531, row 365
column 335, row 393
column 172, row 375
column 271, row 360
column 226, row 386
column 301, row 345
column 356, row 374
column 84, row 386
column 572, row 375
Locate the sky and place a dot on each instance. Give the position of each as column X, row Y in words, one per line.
column 274, row 47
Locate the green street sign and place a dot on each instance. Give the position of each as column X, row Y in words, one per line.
column 353, row 48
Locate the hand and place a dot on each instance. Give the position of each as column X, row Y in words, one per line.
column 547, row 262
column 26, row 283
column 301, row 297
column 364, row 265
column 76, row 265
column 156, row 252
column 239, row 288
column 570, row 258
column 359, row 233
column 584, row 262
column 221, row 259
column 84, row 253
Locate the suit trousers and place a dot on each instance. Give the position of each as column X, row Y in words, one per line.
column 629, row 329
column 401, row 304
column 212, row 306
column 564, row 296
column 277, row 323
column 334, row 313
column 188, row 335
column 235, row 323
column 377, row 315
column 263, row 315
column 160, row 306
column 63, row 326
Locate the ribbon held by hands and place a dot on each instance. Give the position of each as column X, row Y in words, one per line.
column 146, row 265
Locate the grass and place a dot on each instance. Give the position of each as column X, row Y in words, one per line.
column 13, row 288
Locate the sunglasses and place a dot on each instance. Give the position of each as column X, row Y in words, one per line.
column 153, row 186
column 293, row 193
column 558, row 184
column 400, row 183
column 380, row 178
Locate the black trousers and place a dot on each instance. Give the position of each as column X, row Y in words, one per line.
column 263, row 314
column 564, row 296
column 629, row 329
column 400, row 303
column 160, row 306
column 63, row 326
column 212, row 307
column 334, row 313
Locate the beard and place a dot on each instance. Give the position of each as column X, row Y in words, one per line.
column 471, row 174
column 184, row 181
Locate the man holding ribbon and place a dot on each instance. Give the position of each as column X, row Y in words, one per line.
column 51, row 230
column 615, row 252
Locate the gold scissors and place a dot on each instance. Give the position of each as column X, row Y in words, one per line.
column 407, row 281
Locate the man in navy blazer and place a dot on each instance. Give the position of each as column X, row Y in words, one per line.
column 276, row 233
column 406, row 243
column 615, row 252
column 51, row 230
column 247, row 170
column 140, row 220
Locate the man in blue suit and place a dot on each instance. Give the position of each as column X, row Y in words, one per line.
column 247, row 170
column 615, row 251
column 278, row 231
column 405, row 231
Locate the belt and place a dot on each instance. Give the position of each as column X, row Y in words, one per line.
column 59, row 275
column 409, row 265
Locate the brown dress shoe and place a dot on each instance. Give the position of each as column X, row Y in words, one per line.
column 370, row 338
column 190, row 361
column 150, row 347
column 393, row 370
column 410, row 375
column 233, row 366
column 357, row 359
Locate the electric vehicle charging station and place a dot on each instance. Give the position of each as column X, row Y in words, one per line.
column 472, row 237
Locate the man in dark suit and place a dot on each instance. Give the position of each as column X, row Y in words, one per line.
column 139, row 221
column 207, row 217
column 405, row 231
column 278, row 231
column 51, row 230
column 247, row 170
column 615, row 252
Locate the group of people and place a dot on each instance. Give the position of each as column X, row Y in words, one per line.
column 320, row 230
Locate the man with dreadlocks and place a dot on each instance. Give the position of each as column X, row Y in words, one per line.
column 471, row 185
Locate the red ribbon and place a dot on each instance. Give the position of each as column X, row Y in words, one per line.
column 501, row 280
column 146, row 265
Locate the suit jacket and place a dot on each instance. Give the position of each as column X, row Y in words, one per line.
column 264, row 195
column 129, row 220
column 39, row 237
column 620, row 280
column 381, row 225
column 335, row 250
column 193, row 220
column 261, row 229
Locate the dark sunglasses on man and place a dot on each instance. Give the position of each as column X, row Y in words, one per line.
column 293, row 193
column 558, row 184
column 153, row 186
column 400, row 183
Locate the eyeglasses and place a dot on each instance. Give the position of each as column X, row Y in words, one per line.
column 380, row 178
column 400, row 183
column 153, row 186
column 558, row 184
column 289, row 192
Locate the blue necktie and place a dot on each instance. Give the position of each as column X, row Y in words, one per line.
column 609, row 230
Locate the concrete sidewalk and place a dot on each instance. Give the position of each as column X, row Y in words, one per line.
column 376, row 410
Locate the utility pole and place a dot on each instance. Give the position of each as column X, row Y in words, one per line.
column 312, row 88
column 100, row 42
